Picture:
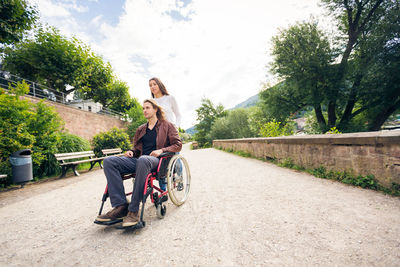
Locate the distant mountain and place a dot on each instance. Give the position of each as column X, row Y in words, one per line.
column 251, row 101
column 191, row 130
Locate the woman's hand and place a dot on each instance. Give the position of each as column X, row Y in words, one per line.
column 156, row 153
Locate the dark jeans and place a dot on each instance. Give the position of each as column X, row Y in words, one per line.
column 115, row 166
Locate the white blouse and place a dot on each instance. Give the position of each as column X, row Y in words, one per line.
column 168, row 103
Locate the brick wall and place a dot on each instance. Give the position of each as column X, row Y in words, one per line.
column 376, row 153
column 83, row 123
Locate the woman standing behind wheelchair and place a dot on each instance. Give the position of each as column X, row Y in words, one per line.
column 170, row 106
column 166, row 101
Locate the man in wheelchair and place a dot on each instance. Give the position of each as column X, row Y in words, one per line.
column 151, row 139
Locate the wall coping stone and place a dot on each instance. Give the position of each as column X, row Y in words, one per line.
column 363, row 138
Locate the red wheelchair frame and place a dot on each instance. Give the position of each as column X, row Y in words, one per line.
column 149, row 188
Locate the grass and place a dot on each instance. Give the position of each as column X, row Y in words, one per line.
column 367, row 181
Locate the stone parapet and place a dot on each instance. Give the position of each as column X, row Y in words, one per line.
column 376, row 153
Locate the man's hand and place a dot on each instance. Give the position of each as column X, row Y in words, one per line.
column 129, row 154
column 156, row 153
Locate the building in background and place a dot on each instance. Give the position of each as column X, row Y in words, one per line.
column 87, row 105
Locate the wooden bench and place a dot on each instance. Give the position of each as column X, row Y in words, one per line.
column 3, row 176
column 65, row 164
column 112, row 152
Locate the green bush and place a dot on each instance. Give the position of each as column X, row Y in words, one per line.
column 24, row 125
column 111, row 139
column 45, row 125
column 72, row 143
column 66, row 143
column 15, row 114
column 275, row 128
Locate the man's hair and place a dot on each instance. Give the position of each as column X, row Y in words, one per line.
column 160, row 111
column 160, row 85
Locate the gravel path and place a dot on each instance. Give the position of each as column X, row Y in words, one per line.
column 241, row 212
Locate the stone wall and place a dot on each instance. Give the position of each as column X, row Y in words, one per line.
column 376, row 153
column 83, row 123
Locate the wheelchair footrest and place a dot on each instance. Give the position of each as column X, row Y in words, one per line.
column 109, row 222
column 133, row 227
column 163, row 198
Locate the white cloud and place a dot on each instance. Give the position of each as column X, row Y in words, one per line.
column 49, row 9
column 220, row 53
column 96, row 20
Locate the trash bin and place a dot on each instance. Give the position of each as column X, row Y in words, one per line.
column 21, row 163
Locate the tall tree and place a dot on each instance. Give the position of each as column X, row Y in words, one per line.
column 357, row 77
column 207, row 113
column 302, row 58
column 16, row 17
column 58, row 62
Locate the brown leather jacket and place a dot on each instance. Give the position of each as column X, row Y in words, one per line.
column 167, row 138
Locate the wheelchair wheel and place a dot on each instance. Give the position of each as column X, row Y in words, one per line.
column 161, row 211
column 178, row 180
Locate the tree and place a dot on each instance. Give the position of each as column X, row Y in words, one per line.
column 114, row 95
column 16, row 17
column 60, row 63
column 136, row 117
column 302, row 57
column 280, row 102
column 357, row 77
column 97, row 81
column 207, row 113
column 235, row 125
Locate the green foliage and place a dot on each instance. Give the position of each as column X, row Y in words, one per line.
column 45, row 125
column 333, row 130
column 24, row 125
column 354, row 81
column 235, row 125
column 112, row 139
column 281, row 101
column 15, row 114
column 16, row 17
column 48, row 58
column 97, row 81
column 207, row 114
column 72, row 143
column 136, row 117
column 66, row 143
column 56, row 61
column 119, row 98
column 276, row 128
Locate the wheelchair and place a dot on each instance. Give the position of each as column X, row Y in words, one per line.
column 172, row 170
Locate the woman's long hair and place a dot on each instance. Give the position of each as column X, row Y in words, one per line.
column 160, row 85
column 160, row 111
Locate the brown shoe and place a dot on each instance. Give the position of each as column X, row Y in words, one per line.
column 131, row 219
column 115, row 214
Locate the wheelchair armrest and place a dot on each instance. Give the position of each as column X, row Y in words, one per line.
column 166, row 154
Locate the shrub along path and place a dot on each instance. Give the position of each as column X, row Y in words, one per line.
column 241, row 211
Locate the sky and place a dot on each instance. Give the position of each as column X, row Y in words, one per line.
column 216, row 49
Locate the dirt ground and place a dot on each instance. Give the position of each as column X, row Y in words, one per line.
column 241, row 212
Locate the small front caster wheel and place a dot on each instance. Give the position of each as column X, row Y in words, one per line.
column 161, row 211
